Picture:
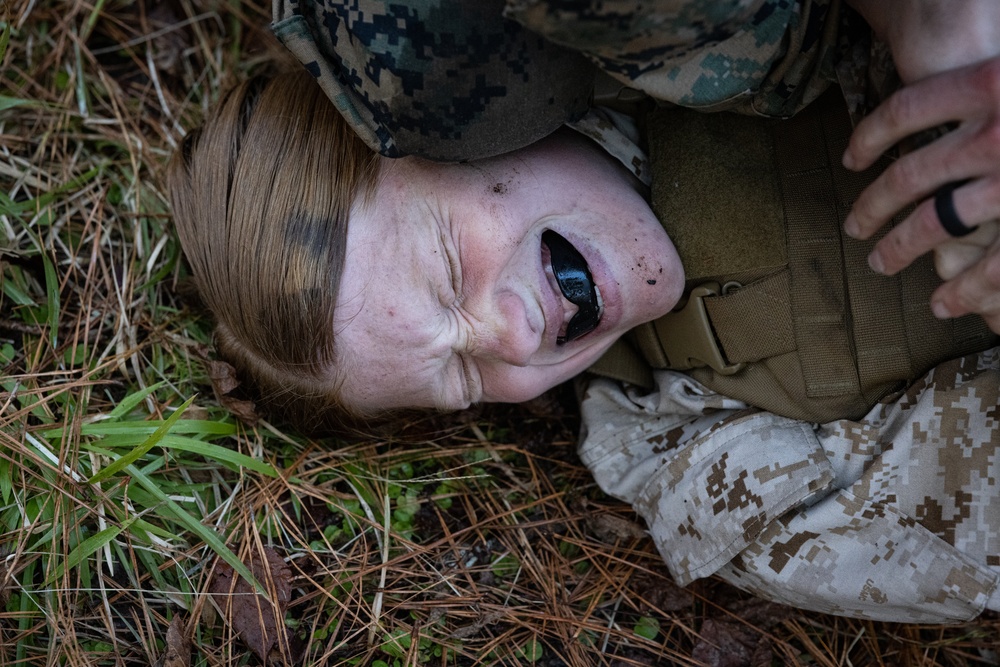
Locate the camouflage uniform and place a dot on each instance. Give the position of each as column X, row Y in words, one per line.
column 459, row 80
column 895, row 516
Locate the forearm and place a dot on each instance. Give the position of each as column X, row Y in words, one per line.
column 930, row 36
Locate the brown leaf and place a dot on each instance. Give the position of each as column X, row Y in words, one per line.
column 178, row 646
column 245, row 411
column 169, row 45
column 224, row 382
column 256, row 620
column 761, row 614
column 223, row 377
column 466, row 631
column 763, row 654
column 660, row 591
column 611, row 528
column 722, row 644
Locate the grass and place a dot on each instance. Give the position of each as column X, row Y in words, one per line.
column 126, row 491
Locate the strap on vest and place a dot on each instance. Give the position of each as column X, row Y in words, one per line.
column 711, row 329
column 687, row 337
column 775, row 288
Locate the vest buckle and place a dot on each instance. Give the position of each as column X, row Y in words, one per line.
column 687, row 337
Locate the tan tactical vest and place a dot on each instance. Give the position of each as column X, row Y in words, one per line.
column 781, row 308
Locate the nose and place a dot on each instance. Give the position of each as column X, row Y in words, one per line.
column 506, row 335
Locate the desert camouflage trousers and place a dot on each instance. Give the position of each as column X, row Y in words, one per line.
column 893, row 517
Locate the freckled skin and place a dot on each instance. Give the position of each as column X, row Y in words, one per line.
column 454, row 252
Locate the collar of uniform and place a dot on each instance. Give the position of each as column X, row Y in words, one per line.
column 618, row 134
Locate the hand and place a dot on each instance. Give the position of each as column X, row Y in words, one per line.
column 969, row 96
column 949, row 55
column 971, row 267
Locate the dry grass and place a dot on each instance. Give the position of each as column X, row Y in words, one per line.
column 481, row 541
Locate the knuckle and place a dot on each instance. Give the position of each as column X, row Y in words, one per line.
column 988, row 139
column 991, row 271
column 903, row 177
column 986, row 78
column 928, row 226
column 898, row 249
column 964, row 299
column 991, row 189
column 899, row 108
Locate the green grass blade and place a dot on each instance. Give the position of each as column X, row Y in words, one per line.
column 11, row 102
column 16, row 295
column 129, row 402
column 52, row 292
column 141, row 450
column 6, row 481
column 218, row 453
column 86, row 548
column 207, row 450
column 206, row 534
column 197, row 427
column 95, row 14
column 4, row 40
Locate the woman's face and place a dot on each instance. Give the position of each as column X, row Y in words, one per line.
column 448, row 295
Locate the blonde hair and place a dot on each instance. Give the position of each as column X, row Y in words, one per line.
column 261, row 196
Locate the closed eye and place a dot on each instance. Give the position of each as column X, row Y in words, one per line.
column 454, row 269
column 465, row 379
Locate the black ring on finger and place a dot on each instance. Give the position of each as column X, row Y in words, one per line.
column 944, row 205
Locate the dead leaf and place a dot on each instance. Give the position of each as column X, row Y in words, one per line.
column 224, row 382
column 610, row 528
column 659, row 590
column 223, row 376
column 245, row 411
column 256, row 620
column 763, row 654
column 761, row 614
column 168, row 45
column 722, row 644
column 178, row 646
column 466, row 631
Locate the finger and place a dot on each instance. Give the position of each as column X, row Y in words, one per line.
column 948, row 96
column 975, row 203
column 956, row 255
column 952, row 258
column 976, row 290
column 911, row 178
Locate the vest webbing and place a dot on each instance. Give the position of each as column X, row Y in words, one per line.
column 794, row 321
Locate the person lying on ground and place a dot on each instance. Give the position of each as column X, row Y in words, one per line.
column 347, row 282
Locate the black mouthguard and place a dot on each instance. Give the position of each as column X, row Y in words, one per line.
column 576, row 285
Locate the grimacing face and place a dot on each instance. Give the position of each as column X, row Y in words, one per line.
column 448, row 296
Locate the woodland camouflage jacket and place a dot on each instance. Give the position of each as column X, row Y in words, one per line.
column 895, row 516
column 459, row 80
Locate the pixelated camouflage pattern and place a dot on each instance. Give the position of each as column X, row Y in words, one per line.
column 445, row 79
column 892, row 517
column 618, row 134
column 454, row 80
column 766, row 57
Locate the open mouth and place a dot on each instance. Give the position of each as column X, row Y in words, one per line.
column 577, row 286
